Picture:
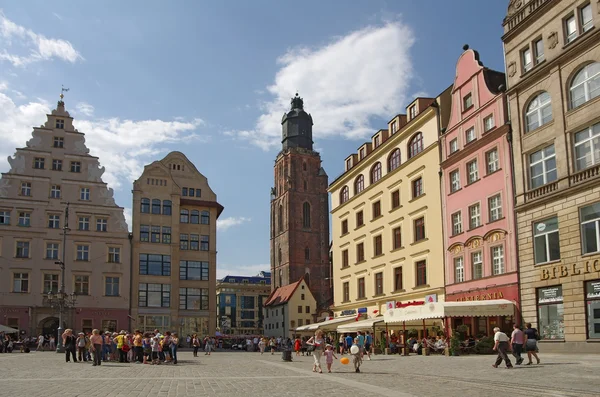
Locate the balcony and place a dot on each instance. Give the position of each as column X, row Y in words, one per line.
column 513, row 20
column 586, row 174
column 542, row 191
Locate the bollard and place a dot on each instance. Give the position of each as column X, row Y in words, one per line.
column 286, row 355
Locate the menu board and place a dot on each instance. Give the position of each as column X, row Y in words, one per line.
column 592, row 289
column 550, row 294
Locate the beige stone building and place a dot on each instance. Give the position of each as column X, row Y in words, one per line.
column 174, row 250
column 386, row 217
column 53, row 170
column 553, row 72
column 288, row 308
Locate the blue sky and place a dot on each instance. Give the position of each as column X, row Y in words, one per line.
column 212, row 79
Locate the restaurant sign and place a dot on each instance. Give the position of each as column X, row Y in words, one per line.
column 571, row 270
column 482, row 297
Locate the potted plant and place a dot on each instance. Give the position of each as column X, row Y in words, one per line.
column 455, row 343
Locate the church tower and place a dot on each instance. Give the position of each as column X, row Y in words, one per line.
column 300, row 209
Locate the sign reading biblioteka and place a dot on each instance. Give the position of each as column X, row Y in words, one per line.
column 569, row 270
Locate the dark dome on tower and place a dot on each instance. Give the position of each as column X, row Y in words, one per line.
column 297, row 126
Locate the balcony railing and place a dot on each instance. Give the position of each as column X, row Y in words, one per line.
column 542, row 190
column 523, row 13
column 588, row 173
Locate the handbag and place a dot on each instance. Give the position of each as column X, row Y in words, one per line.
column 125, row 348
column 310, row 348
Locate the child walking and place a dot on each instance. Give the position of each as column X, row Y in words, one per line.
column 155, row 350
column 329, row 356
column 357, row 358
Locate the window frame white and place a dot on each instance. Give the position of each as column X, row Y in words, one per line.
column 82, row 252
column 453, row 146
column 545, row 170
column 498, row 263
column 594, row 152
column 470, row 135
column 495, row 211
column 456, row 219
column 477, row 263
column 472, row 172
column 545, row 235
column 582, row 224
column 534, row 114
column 459, row 269
column 489, row 123
column 585, row 83
column 492, row 162
column 454, row 181
column 474, row 218
column 526, row 59
column 84, row 194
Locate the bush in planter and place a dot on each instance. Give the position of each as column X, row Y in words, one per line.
column 455, row 343
column 485, row 345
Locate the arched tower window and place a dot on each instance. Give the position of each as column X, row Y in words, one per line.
column 306, row 253
column 280, row 218
column 306, row 215
column 280, row 277
column 279, row 255
column 415, row 145
column 304, row 166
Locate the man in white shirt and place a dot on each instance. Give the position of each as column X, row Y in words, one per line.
column 502, row 346
column 40, row 345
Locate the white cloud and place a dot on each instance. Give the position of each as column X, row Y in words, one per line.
column 128, row 217
column 226, row 223
column 344, row 84
column 84, row 108
column 240, row 270
column 36, row 46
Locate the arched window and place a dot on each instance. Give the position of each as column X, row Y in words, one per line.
column 184, row 216
column 539, row 112
column 280, row 219
column 280, row 275
column 279, row 256
column 359, row 184
column 304, row 166
column 195, row 217
column 585, row 85
column 145, row 206
column 306, row 254
column 306, row 215
column 344, row 195
column 376, row 172
column 156, row 206
column 415, row 145
column 167, row 207
column 394, row 160
column 205, row 217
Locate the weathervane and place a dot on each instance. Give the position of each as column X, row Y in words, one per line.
column 62, row 90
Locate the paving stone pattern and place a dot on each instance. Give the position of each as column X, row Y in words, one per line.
column 250, row 374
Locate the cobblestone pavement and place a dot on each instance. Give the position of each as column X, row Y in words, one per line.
column 250, row 374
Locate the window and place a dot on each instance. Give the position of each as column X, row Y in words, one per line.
column 193, row 270
column 488, row 123
column 195, row 217
column 590, row 228
column 592, row 293
column 376, row 172
column 394, row 160
column 477, row 265
column 51, row 251
column 75, row 166
column 467, row 102
column 344, row 226
column 82, row 285
column 545, row 241
column 412, row 111
column 459, row 270
column 587, row 147
column 155, row 265
column 24, row 219
column 191, row 192
column 114, row 255
column 299, row 308
column 306, row 254
column 184, row 216
column 166, row 235
column 376, row 209
column 306, row 215
column 205, row 218
column 395, row 199
column 498, row 260
column 166, row 207
column 60, row 123
column 83, row 252
column 154, row 295
column 38, row 163
column 585, row 16
column 156, row 206
column 184, row 243
column 394, row 127
column 348, row 164
column 50, row 283
column 550, row 313
column 84, row 193
column 54, row 221
column 56, row 165
column 194, row 242
column 25, row 189
column 474, row 216
column 379, row 283
column 495, row 208
column 144, row 233
column 360, row 252
column 22, row 249
column 398, row 280
column 542, row 167
column 376, row 141
column 20, row 282
column 307, row 309
column 470, row 135
column 111, row 286
column 538, row 48
column 539, row 112
column 359, row 219
column 4, row 217
column 204, row 246
column 361, row 153
column 456, row 223
column 454, row 146
column 345, row 261
column 346, row 289
column 419, row 226
column 585, row 85
column 454, row 181
column 397, row 237
column 417, row 187
column 184, row 191
column 421, row 267
column 145, row 206
column 527, row 59
column 472, row 172
column 492, row 161
column 377, row 246
column 55, row 192
column 59, row 142
column 344, row 195
column 359, row 184
column 101, row 225
column 415, row 145
column 571, row 28
column 84, row 223
column 361, row 288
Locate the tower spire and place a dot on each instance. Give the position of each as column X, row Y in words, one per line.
column 297, row 102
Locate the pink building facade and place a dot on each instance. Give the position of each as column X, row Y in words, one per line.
column 477, row 194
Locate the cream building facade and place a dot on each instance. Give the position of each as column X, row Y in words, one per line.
column 174, row 253
column 55, row 171
column 288, row 308
column 552, row 51
column 386, row 217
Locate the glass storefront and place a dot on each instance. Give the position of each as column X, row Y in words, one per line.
column 592, row 294
column 551, row 312
column 193, row 325
column 150, row 323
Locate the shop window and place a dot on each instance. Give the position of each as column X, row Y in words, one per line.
column 551, row 312
column 592, row 290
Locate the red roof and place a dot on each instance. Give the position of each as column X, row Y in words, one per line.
column 282, row 294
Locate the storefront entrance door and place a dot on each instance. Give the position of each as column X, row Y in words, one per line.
column 593, row 319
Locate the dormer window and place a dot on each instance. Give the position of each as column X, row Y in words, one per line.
column 361, row 153
column 467, row 102
column 60, row 123
column 348, row 164
column 412, row 111
column 394, row 127
column 376, row 141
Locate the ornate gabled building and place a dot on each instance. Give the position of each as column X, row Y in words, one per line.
column 299, row 209
column 55, row 171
